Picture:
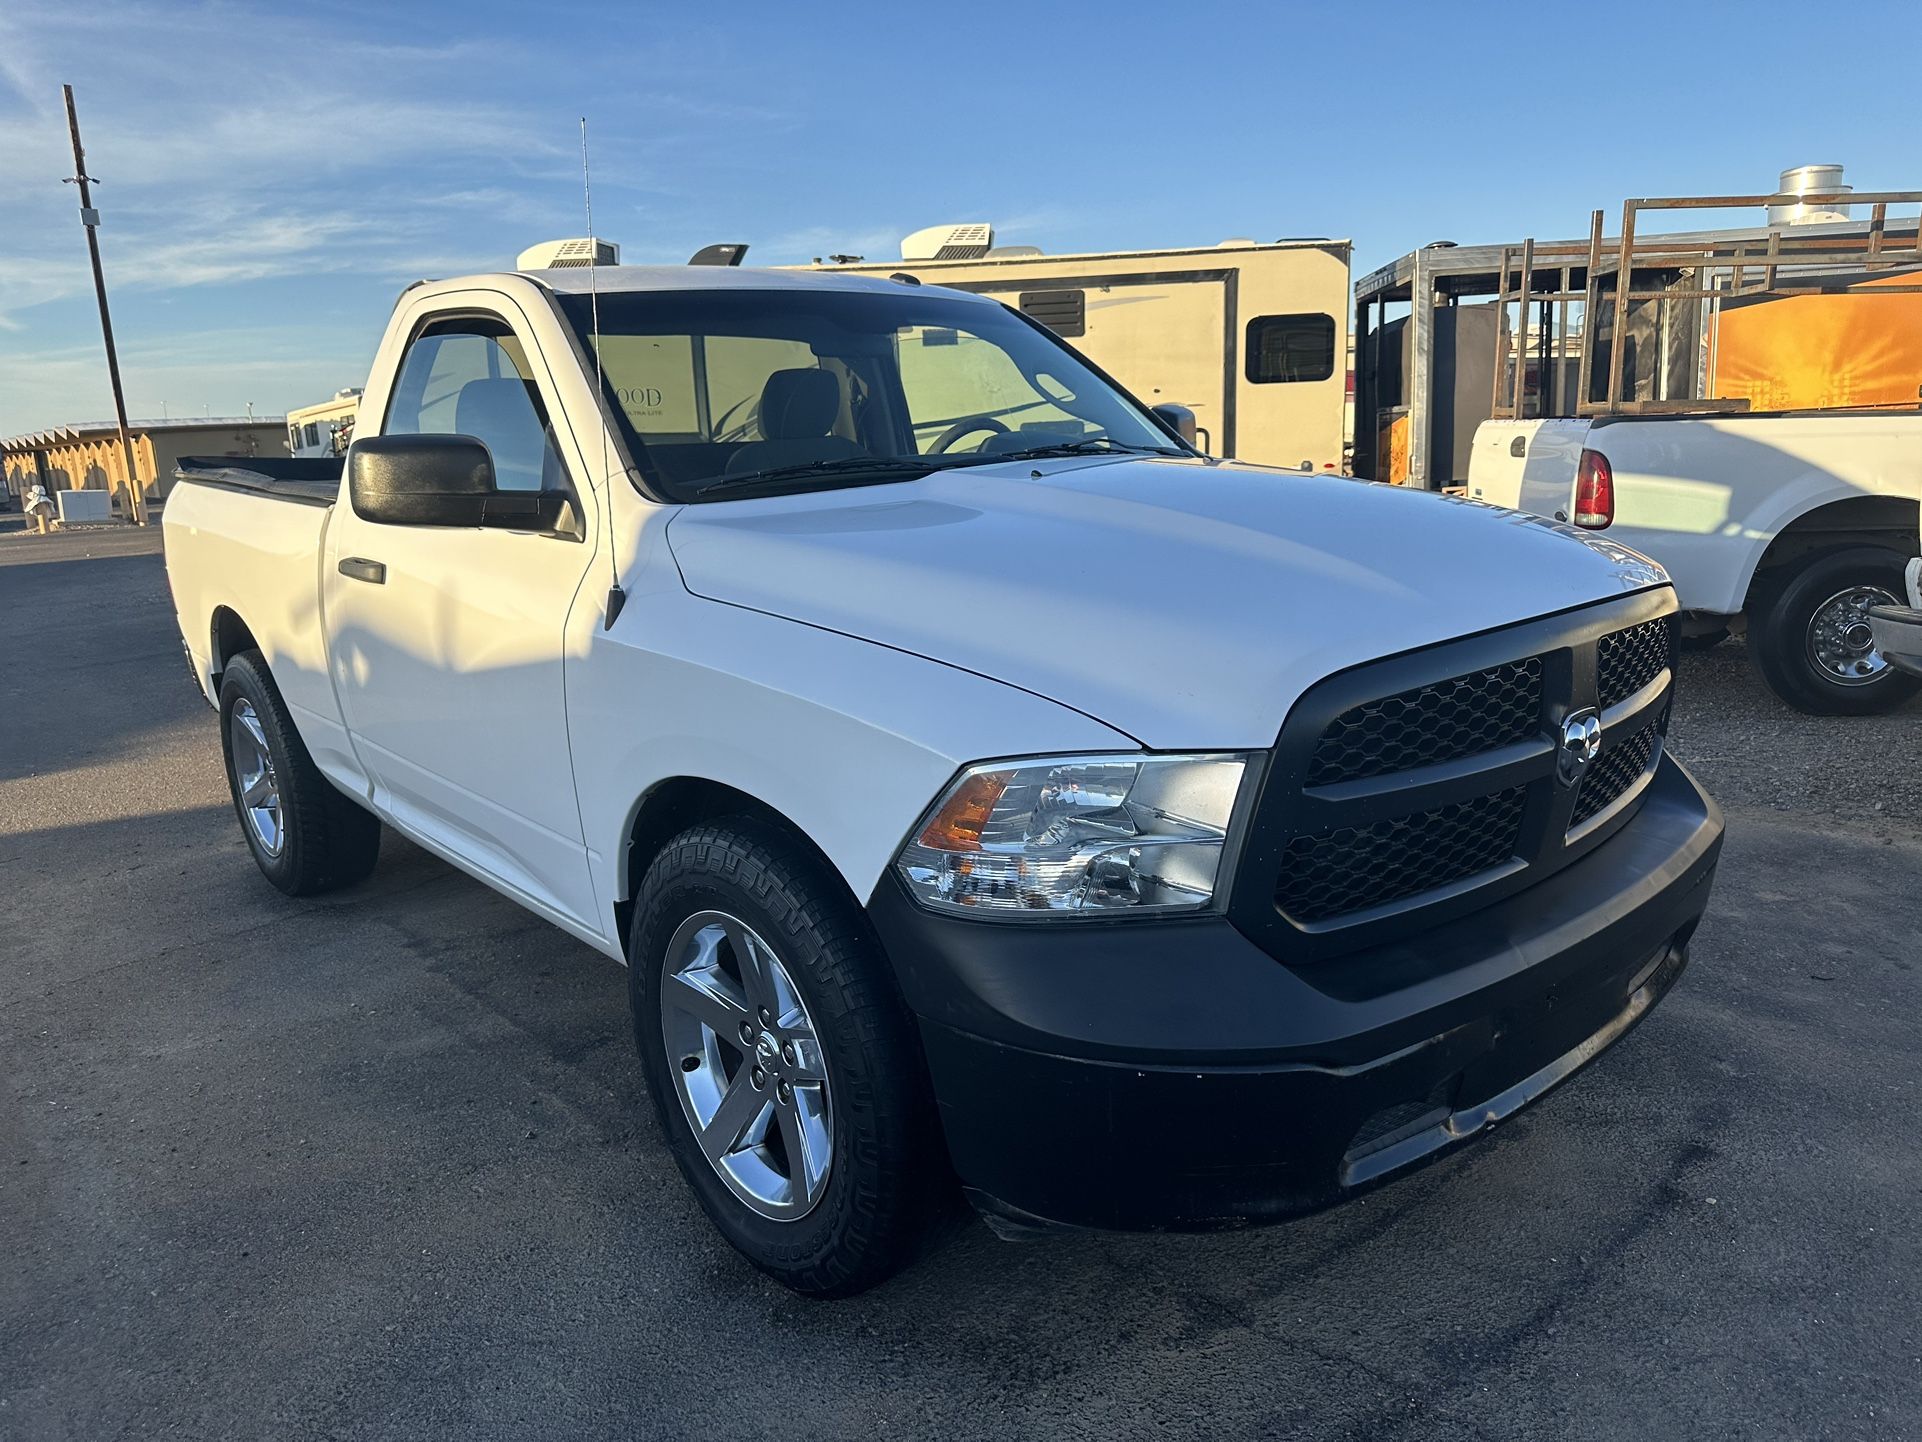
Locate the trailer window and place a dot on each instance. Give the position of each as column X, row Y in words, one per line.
column 1290, row 348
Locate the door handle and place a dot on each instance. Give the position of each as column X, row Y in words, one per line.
column 362, row 569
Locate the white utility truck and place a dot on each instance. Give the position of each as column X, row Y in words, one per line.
column 1767, row 453
column 1025, row 805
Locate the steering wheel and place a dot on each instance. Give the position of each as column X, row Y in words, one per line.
column 966, row 426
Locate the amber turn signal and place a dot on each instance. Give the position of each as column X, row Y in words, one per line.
column 958, row 824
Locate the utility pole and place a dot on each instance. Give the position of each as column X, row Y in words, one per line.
column 90, row 219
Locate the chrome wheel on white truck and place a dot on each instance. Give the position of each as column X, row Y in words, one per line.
column 1811, row 639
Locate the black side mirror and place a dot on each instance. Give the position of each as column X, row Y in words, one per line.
column 445, row 481
column 1178, row 419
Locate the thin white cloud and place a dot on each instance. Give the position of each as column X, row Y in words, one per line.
column 242, row 146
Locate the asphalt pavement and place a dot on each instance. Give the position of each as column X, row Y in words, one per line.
column 379, row 1165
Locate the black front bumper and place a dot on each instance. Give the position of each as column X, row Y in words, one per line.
column 1147, row 1075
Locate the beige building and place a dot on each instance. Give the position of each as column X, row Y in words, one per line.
column 87, row 456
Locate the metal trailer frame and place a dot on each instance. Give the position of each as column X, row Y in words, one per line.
column 1549, row 277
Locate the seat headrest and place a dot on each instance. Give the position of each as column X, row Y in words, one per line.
column 799, row 404
column 499, row 412
column 489, row 405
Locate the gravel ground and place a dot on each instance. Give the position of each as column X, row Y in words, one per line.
column 380, row 1165
column 1751, row 751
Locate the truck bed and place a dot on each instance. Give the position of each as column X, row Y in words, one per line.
column 308, row 480
column 232, row 561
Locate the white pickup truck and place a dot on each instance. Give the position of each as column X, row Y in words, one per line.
column 979, row 783
column 1798, row 524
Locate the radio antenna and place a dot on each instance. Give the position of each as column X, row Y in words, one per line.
column 616, row 597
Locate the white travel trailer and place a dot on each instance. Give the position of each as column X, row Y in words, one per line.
column 324, row 429
column 1251, row 337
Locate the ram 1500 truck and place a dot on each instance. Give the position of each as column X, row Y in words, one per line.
column 1798, row 524
column 978, row 782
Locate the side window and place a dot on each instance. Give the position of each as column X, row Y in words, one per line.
column 1291, row 348
column 470, row 377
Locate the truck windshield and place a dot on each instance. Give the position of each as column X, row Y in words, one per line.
column 731, row 392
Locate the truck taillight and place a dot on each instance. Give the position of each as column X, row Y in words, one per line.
column 1594, row 492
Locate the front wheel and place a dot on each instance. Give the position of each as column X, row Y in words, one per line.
column 1811, row 639
column 781, row 1061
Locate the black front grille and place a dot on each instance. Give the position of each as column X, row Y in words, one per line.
column 1349, row 868
column 1618, row 767
column 1462, row 716
column 1627, row 660
column 1415, row 789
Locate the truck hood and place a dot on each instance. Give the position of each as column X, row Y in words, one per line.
column 1185, row 603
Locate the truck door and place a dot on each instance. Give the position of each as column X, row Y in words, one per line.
column 447, row 644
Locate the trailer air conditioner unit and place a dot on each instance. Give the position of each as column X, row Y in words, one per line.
column 1810, row 180
column 563, row 254
column 949, row 242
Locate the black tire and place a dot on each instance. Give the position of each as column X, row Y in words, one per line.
column 327, row 841
column 1779, row 634
column 888, row 1178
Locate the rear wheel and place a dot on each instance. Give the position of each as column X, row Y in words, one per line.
column 306, row 836
column 781, row 1061
column 1811, row 639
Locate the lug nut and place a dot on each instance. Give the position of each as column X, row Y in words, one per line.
column 759, row 1079
column 785, row 1092
column 767, row 1017
column 787, row 1053
column 747, row 1031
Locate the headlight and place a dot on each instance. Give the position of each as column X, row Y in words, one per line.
column 1076, row 834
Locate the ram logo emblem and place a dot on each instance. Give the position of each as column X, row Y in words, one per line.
column 1581, row 743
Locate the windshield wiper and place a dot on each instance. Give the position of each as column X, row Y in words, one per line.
column 1087, row 446
column 871, row 468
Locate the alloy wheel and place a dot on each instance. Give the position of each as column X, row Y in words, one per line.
column 747, row 1065
column 254, row 774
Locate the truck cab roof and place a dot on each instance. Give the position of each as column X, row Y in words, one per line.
column 613, row 279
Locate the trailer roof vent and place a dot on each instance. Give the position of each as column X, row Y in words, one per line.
column 970, row 241
column 1065, row 312
column 1234, row 242
column 564, row 254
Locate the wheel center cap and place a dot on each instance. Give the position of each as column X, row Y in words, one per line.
column 767, row 1050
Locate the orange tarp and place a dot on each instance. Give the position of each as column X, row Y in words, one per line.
column 1808, row 352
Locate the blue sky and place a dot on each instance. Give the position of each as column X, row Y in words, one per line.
column 274, row 174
